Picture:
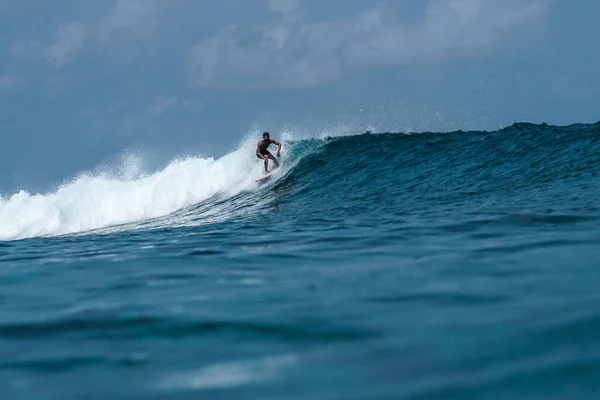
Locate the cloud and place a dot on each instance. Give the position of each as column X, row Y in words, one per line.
column 9, row 81
column 283, row 6
column 295, row 51
column 162, row 103
column 137, row 16
column 119, row 33
column 70, row 39
column 30, row 51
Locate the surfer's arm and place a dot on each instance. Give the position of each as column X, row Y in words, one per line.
column 275, row 142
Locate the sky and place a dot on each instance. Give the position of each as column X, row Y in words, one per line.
column 83, row 82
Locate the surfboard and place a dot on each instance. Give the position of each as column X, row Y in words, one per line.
column 266, row 176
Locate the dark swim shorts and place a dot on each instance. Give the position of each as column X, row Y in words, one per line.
column 265, row 153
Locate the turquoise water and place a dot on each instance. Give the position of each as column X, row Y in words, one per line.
column 458, row 265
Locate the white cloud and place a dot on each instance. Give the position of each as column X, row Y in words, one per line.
column 135, row 15
column 162, row 103
column 70, row 39
column 29, row 51
column 295, row 51
column 10, row 81
column 283, row 6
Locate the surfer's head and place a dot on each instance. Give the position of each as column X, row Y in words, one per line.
column 266, row 135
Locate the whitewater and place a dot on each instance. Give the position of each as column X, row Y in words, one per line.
column 93, row 201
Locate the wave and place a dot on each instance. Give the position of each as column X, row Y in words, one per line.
column 368, row 174
column 93, row 201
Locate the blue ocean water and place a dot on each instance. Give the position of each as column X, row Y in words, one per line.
column 461, row 265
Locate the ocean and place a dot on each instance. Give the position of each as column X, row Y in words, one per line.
column 460, row 265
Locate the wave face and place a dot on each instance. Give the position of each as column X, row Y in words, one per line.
column 524, row 166
column 521, row 167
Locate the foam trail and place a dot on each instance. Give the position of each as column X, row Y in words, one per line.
column 98, row 201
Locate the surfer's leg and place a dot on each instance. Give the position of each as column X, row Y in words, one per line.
column 265, row 157
column 272, row 157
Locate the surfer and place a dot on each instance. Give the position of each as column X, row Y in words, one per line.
column 264, row 154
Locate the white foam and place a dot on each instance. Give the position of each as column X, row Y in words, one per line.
column 101, row 200
column 230, row 375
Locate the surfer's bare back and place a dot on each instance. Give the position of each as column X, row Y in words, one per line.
column 264, row 154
